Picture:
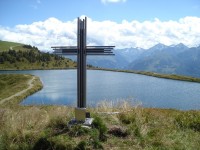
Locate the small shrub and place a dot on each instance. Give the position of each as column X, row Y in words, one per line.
column 58, row 123
column 96, row 144
column 188, row 120
column 77, row 130
column 81, row 145
column 118, row 132
column 94, row 140
column 126, row 118
column 153, row 132
column 42, row 144
column 99, row 125
column 157, row 144
column 61, row 142
column 54, row 143
column 58, row 126
column 137, row 132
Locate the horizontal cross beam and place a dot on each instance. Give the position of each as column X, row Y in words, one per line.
column 90, row 50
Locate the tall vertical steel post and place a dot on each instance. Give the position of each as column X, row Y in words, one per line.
column 81, row 66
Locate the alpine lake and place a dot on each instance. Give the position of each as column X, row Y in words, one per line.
column 60, row 88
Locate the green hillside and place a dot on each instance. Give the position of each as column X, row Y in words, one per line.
column 11, row 84
column 5, row 45
column 15, row 56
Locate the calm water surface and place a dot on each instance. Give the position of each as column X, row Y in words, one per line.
column 60, row 89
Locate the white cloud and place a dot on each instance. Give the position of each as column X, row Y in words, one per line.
column 112, row 1
column 53, row 32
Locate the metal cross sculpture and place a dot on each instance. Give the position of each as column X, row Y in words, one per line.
column 82, row 50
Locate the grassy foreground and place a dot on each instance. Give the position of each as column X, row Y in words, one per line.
column 133, row 128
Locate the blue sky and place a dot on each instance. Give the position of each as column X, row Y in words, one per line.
column 13, row 12
column 123, row 23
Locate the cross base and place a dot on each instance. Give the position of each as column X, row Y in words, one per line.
column 82, row 117
column 86, row 122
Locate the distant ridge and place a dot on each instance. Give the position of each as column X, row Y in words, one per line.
column 174, row 59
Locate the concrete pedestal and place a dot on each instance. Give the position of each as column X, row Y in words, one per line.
column 80, row 114
column 82, row 117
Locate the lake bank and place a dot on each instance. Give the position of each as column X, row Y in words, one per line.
column 158, row 75
column 15, row 88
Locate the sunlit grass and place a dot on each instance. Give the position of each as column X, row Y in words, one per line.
column 12, row 83
column 132, row 127
column 5, row 45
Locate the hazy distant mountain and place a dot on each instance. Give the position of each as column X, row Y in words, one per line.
column 177, row 59
column 190, row 62
column 130, row 54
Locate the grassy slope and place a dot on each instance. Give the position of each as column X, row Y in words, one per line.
column 5, row 45
column 13, row 83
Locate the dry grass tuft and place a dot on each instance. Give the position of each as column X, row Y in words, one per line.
column 118, row 106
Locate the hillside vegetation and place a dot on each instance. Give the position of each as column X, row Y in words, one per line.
column 22, row 57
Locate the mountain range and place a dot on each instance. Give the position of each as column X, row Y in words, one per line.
column 174, row 59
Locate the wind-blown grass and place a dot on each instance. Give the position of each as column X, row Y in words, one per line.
column 137, row 128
